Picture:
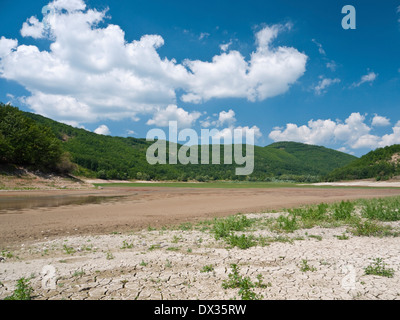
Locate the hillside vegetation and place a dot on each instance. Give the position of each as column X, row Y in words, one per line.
column 25, row 142
column 380, row 164
column 110, row 157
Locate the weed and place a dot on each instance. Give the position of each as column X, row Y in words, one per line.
column 318, row 237
column 242, row 242
column 68, row 250
column 378, row 268
column 143, row 264
column 23, row 291
column 154, row 247
column 223, row 227
column 173, row 249
column 187, row 226
column 371, row 228
column 382, row 209
column 287, row 223
column 6, row 254
column 109, row 256
column 245, row 285
column 126, row 245
column 79, row 273
column 304, row 267
column 342, row 237
column 176, row 239
column 343, row 210
column 207, row 268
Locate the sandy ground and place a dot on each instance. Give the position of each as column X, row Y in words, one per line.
column 155, row 207
column 362, row 183
column 106, row 251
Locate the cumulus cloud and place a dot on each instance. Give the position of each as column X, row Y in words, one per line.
column 231, row 134
column 226, row 117
column 379, row 121
column 353, row 132
column 92, row 72
column 269, row 71
column 172, row 113
column 33, row 28
column 103, row 130
column 324, row 83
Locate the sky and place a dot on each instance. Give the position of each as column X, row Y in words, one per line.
column 286, row 69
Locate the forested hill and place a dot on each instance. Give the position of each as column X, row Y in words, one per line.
column 315, row 156
column 380, row 164
column 125, row 158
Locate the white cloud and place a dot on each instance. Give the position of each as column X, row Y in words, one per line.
column 368, row 78
column 226, row 117
column 323, row 84
column 320, row 48
column 331, row 65
column 269, row 72
column 172, row 113
column 204, row 35
column 7, row 46
column 398, row 11
column 354, row 133
column 225, row 46
column 33, row 28
column 92, row 72
column 103, row 130
column 69, row 5
column 236, row 133
column 379, row 121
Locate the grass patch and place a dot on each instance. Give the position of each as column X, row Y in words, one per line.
column 305, row 267
column 245, row 285
column 369, row 228
column 207, row 268
column 68, row 250
column 23, row 291
column 385, row 209
column 126, row 245
column 242, row 241
column 223, row 228
column 378, row 268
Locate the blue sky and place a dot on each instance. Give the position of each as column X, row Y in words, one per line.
column 286, row 69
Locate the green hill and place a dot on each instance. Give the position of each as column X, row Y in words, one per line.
column 110, row 157
column 380, row 164
column 318, row 157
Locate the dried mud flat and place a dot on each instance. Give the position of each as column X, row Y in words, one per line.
column 187, row 262
column 190, row 264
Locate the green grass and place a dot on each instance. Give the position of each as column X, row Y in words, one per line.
column 245, row 285
column 383, row 209
column 378, row 268
column 207, row 268
column 223, row 228
column 372, row 229
column 305, row 267
column 23, row 291
column 242, row 241
column 68, row 250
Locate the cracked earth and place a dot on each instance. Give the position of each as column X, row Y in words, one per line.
column 190, row 264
